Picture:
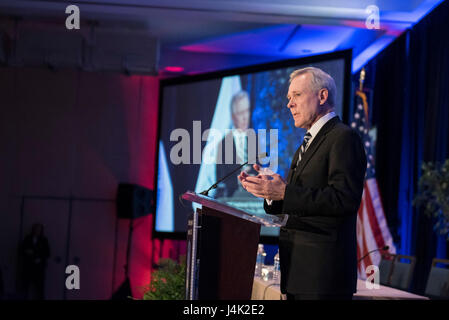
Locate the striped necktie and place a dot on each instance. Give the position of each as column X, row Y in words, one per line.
column 302, row 148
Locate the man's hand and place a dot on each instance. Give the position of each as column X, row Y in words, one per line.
column 246, row 170
column 244, row 174
column 271, row 187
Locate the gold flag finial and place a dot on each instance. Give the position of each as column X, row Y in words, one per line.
column 361, row 79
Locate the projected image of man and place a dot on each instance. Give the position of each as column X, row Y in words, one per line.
column 229, row 159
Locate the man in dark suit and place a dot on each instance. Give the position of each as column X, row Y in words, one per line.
column 322, row 194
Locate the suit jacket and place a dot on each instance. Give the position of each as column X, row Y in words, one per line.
column 230, row 185
column 318, row 246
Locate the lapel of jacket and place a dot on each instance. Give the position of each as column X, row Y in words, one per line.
column 292, row 165
column 314, row 146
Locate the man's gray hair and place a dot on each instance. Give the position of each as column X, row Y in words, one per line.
column 320, row 80
column 237, row 97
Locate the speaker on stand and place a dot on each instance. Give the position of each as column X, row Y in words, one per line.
column 133, row 201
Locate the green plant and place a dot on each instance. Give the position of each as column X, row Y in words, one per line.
column 433, row 195
column 167, row 282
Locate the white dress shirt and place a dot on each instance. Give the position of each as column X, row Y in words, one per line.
column 316, row 127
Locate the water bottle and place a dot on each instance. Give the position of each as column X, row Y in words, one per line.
column 276, row 268
column 260, row 260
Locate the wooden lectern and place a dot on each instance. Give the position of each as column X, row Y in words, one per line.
column 222, row 248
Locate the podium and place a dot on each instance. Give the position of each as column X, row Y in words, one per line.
column 222, row 246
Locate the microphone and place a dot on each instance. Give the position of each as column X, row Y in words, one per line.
column 378, row 249
column 205, row 192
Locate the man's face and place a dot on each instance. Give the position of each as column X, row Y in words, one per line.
column 240, row 114
column 303, row 102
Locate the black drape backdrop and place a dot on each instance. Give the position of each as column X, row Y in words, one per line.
column 410, row 87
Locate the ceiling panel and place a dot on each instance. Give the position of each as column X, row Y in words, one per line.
column 255, row 28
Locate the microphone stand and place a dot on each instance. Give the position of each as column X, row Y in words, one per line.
column 206, row 192
column 378, row 249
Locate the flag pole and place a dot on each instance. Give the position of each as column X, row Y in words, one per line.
column 362, row 95
column 361, row 79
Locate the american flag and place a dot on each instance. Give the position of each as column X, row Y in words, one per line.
column 372, row 228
